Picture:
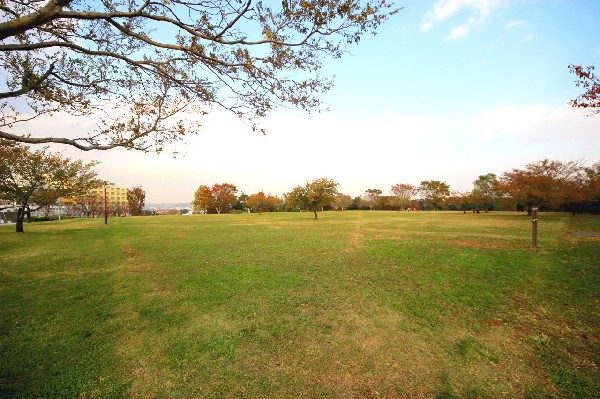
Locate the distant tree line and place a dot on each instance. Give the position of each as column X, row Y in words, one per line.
column 546, row 184
column 38, row 179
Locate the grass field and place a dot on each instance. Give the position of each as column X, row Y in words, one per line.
column 354, row 305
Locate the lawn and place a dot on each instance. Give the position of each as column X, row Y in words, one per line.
column 355, row 305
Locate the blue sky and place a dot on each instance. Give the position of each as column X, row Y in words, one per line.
column 447, row 90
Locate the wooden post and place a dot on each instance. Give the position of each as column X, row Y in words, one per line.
column 105, row 210
column 534, row 221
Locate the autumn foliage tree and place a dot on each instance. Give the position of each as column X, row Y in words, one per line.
column 260, row 202
column 313, row 195
column 342, row 201
column 590, row 83
column 545, row 183
column 36, row 179
column 136, row 199
column 216, row 199
column 434, row 192
column 592, row 187
column 371, row 197
column 402, row 195
column 142, row 63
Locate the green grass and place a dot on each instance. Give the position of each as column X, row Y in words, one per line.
column 354, row 305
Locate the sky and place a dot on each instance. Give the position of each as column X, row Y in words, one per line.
column 447, row 90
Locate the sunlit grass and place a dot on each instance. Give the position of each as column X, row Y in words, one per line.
column 354, row 305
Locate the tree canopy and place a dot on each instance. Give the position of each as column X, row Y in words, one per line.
column 261, row 202
column 485, row 190
column 313, row 195
column 136, row 199
column 434, row 192
column 34, row 179
column 371, row 197
column 590, row 83
column 216, row 199
column 142, row 63
column 402, row 194
column 546, row 182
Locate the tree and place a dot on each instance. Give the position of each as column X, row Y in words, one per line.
column 486, row 190
column 313, row 195
column 545, row 183
column 592, row 188
column 141, row 63
column 357, row 202
column 461, row 201
column 202, row 199
column 343, row 201
column 260, row 202
column 434, row 192
column 403, row 194
column 241, row 202
column 87, row 204
column 136, row 199
column 371, row 197
column 588, row 81
column 224, row 197
column 34, row 179
column 216, row 199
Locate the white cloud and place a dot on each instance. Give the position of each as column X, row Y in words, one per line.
column 443, row 10
column 513, row 24
column 461, row 31
column 540, row 124
column 528, row 38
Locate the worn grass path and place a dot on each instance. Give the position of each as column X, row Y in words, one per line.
column 354, row 305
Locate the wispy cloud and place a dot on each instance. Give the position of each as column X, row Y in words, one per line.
column 444, row 10
column 462, row 30
column 528, row 38
column 514, row 24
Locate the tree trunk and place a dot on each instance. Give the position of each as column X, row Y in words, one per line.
column 20, row 218
column 315, row 211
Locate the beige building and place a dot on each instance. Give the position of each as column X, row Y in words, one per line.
column 93, row 202
column 115, row 195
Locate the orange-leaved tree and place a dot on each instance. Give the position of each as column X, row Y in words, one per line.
column 545, row 183
column 216, row 199
column 260, row 202
column 590, row 82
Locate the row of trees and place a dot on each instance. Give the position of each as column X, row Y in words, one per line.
column 221, row 198
column 548, row 184
column 33, row 180
column 36, row 179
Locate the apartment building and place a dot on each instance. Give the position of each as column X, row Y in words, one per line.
column 92, row 204
column 115, row 195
